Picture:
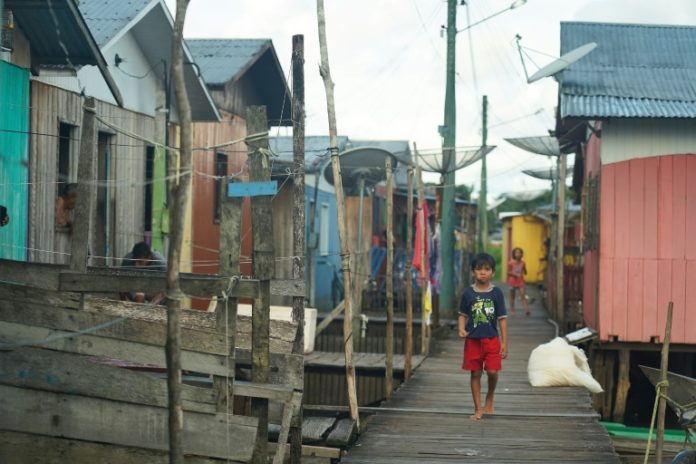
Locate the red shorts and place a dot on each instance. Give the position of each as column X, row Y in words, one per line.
column 482, row 353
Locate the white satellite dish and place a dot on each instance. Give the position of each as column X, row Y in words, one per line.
column 563, row 62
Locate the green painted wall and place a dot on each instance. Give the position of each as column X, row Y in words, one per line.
column 14, row 159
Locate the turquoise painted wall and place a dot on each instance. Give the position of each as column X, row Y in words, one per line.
column 14, row 159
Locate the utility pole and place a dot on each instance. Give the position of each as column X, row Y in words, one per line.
column 483, row 193
column 560, row 241
column 448, row 152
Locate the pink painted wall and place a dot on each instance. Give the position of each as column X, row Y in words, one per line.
column 647, row 215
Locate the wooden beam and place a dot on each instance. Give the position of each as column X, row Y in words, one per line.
column 39, row 275
column 408, row 279
column 330, row 317
column 263, row 266
column 81, row 233
column 15, row 335
column 25, row 448
column 119, row 423
column 389, row 338
column 622, row 386
column 110, row 280
column 280, row 393
column 31, row 294
column 57, row 372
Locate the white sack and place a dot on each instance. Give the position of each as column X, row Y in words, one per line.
column 558, row 364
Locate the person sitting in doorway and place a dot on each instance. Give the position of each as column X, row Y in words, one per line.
column 144, row 258
column 4, row 217
column 65, row 203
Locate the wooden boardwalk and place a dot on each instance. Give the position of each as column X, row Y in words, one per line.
column 427, row 419
column 362, row 361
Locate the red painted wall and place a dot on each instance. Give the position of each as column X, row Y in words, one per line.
column 647, row 215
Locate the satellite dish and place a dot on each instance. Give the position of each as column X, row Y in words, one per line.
column 563, row 62
column 367, row 163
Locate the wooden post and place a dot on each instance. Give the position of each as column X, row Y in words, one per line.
column 409, row 280
column 226, row 311
column 622, row 385
column 389, row 341
column 560, row 299
column 662, row 404
column 83, row 223
column 263, row 268
column 423, row 276
column 179, row 190
column 325, row 72
column 298, row 220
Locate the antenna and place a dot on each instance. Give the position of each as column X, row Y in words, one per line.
column 558, row 65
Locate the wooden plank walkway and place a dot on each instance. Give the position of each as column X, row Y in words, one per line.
column 362, row 361
column 427, row 419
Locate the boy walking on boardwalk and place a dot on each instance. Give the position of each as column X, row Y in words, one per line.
column 481, row 310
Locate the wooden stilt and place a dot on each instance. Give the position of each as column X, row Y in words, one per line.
column 622, row 385
column 408, row 283
column 389, row 339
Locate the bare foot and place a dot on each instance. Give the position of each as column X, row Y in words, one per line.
column 527, row 313
column 478, row 415
column 488, row 409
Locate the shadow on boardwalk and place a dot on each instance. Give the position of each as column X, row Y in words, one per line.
column 427, row 419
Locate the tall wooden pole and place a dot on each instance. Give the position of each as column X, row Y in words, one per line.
column 409, row 279
column 179, row 189
column 263, row 269
column 389, row 341
column 446, row 297
column 560, row 302
column 86, row 174
column 423, row 278
column 298, row 220
column 325, row 72
column 482, row 235
column 662, row 404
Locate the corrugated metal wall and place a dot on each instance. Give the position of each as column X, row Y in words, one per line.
column 14, row 140
column 647, row 258
column 51, row 106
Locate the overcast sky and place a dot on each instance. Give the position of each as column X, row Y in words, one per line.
column 388, row 64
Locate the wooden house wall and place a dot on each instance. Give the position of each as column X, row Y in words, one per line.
column 205, row 230
column 648, row 215
column 592, row 164
column 51, row 106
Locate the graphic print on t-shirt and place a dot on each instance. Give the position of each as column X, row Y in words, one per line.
column 482, row 311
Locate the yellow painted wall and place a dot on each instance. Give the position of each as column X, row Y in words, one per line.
column 529, row 233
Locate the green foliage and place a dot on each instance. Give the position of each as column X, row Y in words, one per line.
column 497, row 252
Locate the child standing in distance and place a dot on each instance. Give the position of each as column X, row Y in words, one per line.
column 517, row 269
column 481, row 310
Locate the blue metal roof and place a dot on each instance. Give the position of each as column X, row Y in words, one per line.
column 222, row 60
column 106, row 18
column 636, row 71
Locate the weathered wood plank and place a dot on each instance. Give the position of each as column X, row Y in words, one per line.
column 279, row 393
column 282, row 332
column 24, row 448
column 290, row 410
column 285, row 369
column 82, row 231
column 105, row 421
column 37, row 275
column 80, row 375
column 315, row 429
column 342, row 433
column 31, row 294
column 13, row 334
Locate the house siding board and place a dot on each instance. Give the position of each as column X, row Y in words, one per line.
column 622, row 211
column 607, row 213
column 636, row 181
column 619, row 307
column 326, row 267
column 651, row 280
column 678, row 207
column 14, row 191
column 636, row 307
column 50, row 106
column 690, row 317
column 650, row 204
column 665, row 207
column 606, row 289
column 589, row 296
column 679, row 299
column 664, row 295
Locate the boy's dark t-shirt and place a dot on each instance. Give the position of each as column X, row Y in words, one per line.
column 482, row 311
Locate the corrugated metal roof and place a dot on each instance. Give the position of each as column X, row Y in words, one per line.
column 637, row 70
column 59, row 36
column 107, row 17
column 316, row 147
column 222, row 60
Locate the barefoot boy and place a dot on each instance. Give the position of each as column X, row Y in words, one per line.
column 481, row 310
